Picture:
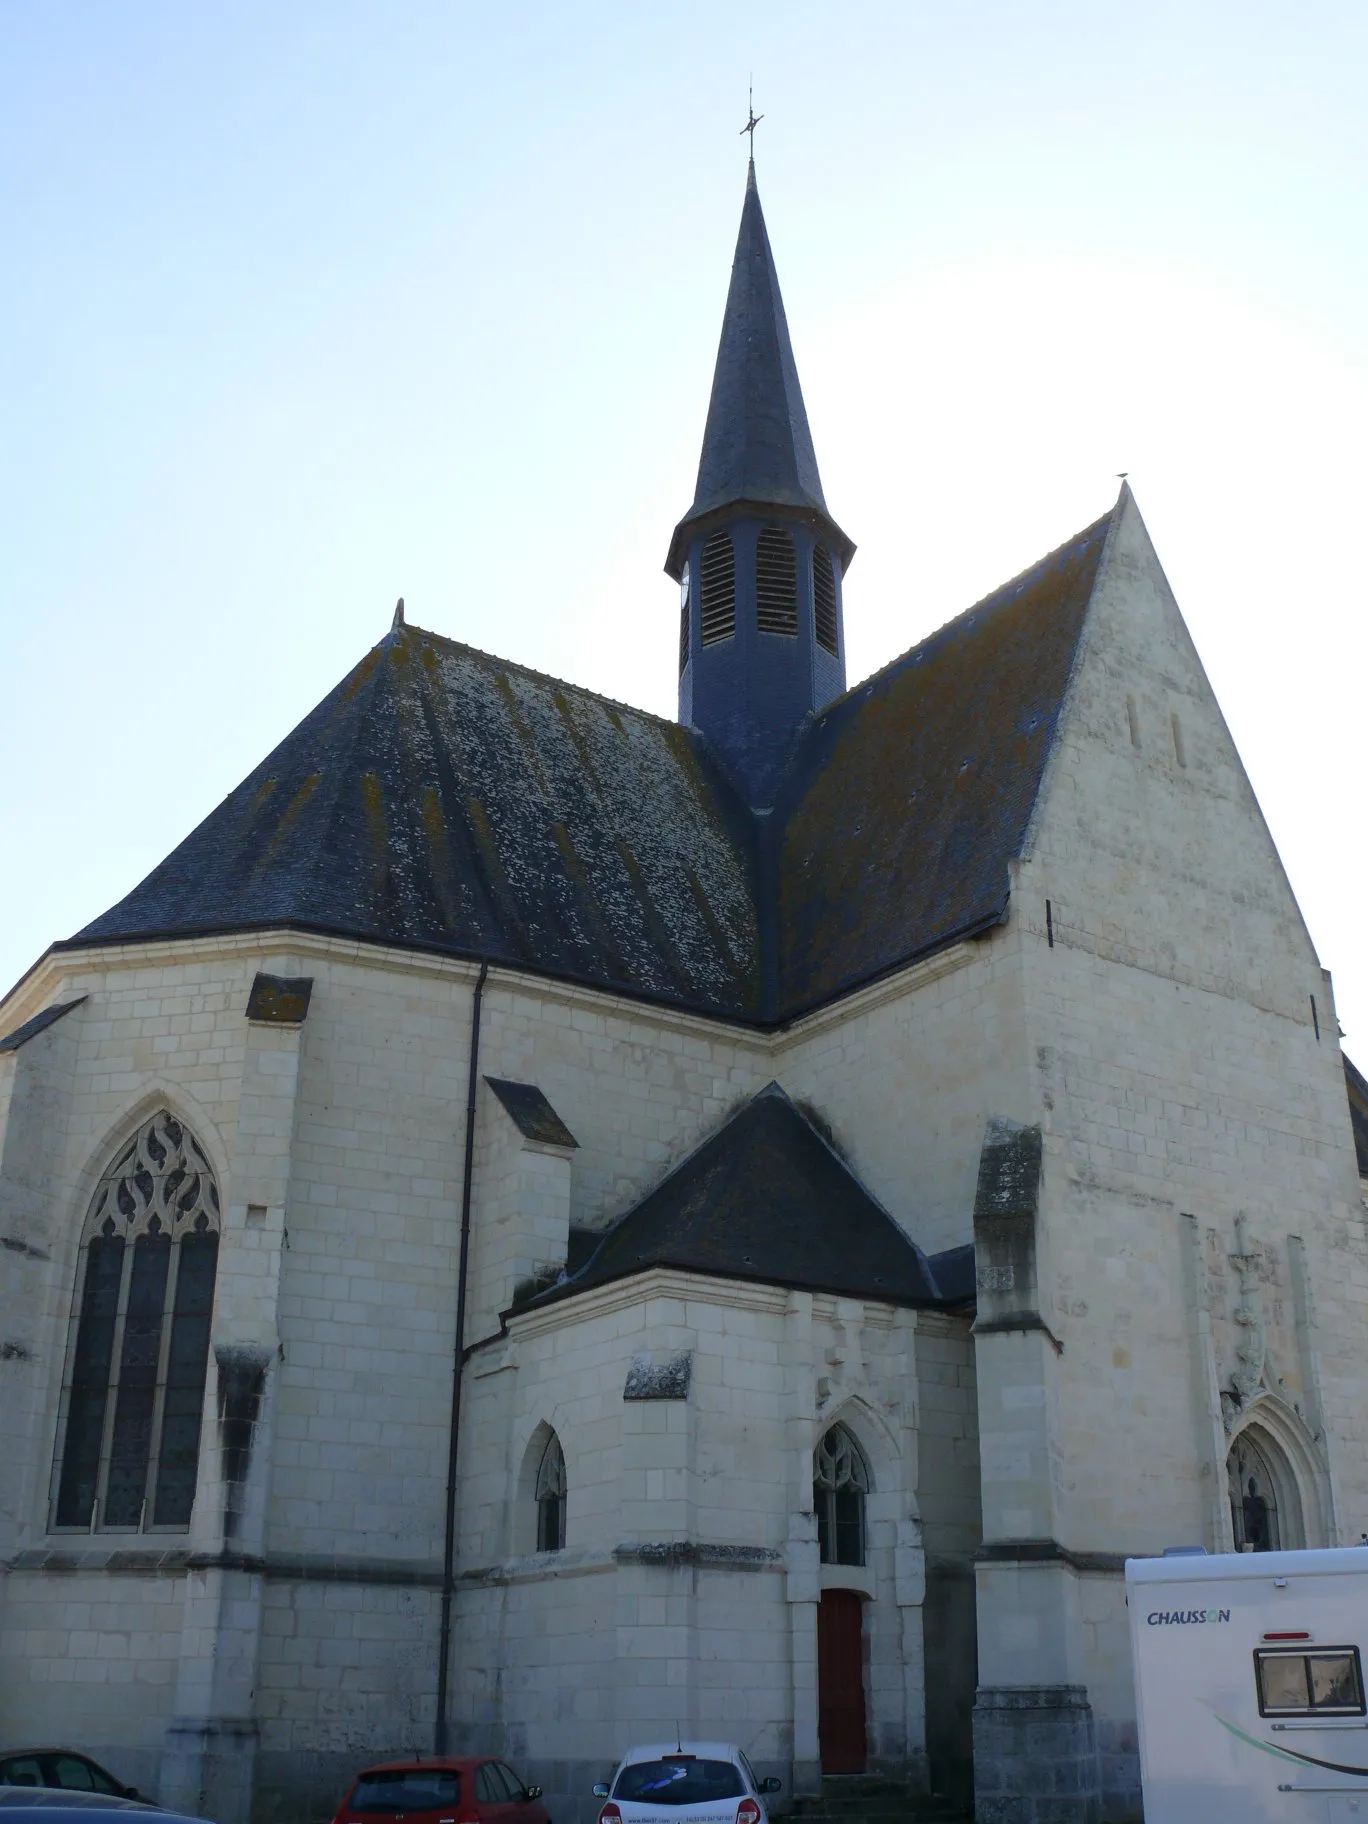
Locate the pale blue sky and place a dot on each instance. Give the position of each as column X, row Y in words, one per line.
column 306, row 306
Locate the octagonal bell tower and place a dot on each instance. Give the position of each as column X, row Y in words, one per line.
column 759, row 559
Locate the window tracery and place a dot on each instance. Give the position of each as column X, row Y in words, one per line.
column 840, row 1482
column 129, row 1454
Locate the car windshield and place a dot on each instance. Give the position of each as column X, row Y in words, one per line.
column 412, row 1789
column 679, row 1780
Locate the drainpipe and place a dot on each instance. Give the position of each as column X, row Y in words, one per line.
column 439, row 1734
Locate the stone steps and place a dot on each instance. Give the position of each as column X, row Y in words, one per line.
column 938, row 1811
column 870, row 1799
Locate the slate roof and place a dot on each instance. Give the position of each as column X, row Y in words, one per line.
column 953, row 1270
column 906, row 797
column 764, row 1198
column 531, row 1113
column 440, row 799
column 1357, row 1087
column 756, row 443
column 39, row 1023
column 444, row 800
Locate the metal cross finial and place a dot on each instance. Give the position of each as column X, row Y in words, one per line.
column 754, row 120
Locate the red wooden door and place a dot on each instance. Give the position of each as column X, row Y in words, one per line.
column 840, row 1682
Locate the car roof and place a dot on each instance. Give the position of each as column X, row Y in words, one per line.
column 705, row 1751
column 51, row 1804
column 17, row 1754
column 427, row 1763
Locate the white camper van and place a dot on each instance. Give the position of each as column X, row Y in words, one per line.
column 1249, row 1686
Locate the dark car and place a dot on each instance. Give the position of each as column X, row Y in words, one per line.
column 63, row 1769
column 475, row 1789
column 51, row 1805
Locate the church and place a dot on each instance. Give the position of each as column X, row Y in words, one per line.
column 538, row 1227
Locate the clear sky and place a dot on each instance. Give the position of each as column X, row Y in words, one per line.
column 308, row 306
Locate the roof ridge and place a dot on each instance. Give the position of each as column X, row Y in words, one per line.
column 725, row 1154
column 1020, row 580
column 530, row 671
column 815, row 718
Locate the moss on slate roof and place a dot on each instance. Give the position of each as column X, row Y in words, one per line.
column 444, row 800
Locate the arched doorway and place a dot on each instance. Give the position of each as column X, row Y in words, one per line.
column 840, row 1483
column 1265, row 1511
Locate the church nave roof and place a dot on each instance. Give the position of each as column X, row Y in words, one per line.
column 442, row 799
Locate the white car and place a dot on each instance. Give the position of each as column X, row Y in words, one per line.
column 685, row 1783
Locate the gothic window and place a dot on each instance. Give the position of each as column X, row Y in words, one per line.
column 1254, row 1504
column 824, row 600
column 717, row 589
column 840, row 1482
column 135, row 1387
column 776, row 582
column 551, row 1498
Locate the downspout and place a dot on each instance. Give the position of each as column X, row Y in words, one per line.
column 439, row 1741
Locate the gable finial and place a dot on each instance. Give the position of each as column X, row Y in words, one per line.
column 753, row 119
column 398, row 620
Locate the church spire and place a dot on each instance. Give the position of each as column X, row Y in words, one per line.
column 758, row 556
column 756, row 444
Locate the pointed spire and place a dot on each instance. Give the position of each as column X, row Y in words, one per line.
column 757, row 445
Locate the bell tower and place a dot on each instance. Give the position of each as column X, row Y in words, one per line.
column 759, row 560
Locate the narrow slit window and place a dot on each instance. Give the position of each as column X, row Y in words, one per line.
column 129, row 1454
column 685, row 581
column 824, row 600
column 1133, row 722
column 1179, row 749
column 717, row 589
column 776, row 582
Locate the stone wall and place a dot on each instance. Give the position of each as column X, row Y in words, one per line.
column 1182, row 1079
column 337, row 1147
column 685, row 1598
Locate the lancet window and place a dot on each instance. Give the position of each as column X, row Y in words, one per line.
column 134, row 1393
column 840, row 1482
column 551, row 1497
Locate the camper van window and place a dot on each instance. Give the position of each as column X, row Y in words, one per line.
column 1327, row 1683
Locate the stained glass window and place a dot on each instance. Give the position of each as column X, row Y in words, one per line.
column 135, row 1389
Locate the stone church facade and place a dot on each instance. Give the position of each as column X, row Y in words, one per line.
column 539, row 1227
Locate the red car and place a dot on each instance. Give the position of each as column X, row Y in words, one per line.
column 473, row 1790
